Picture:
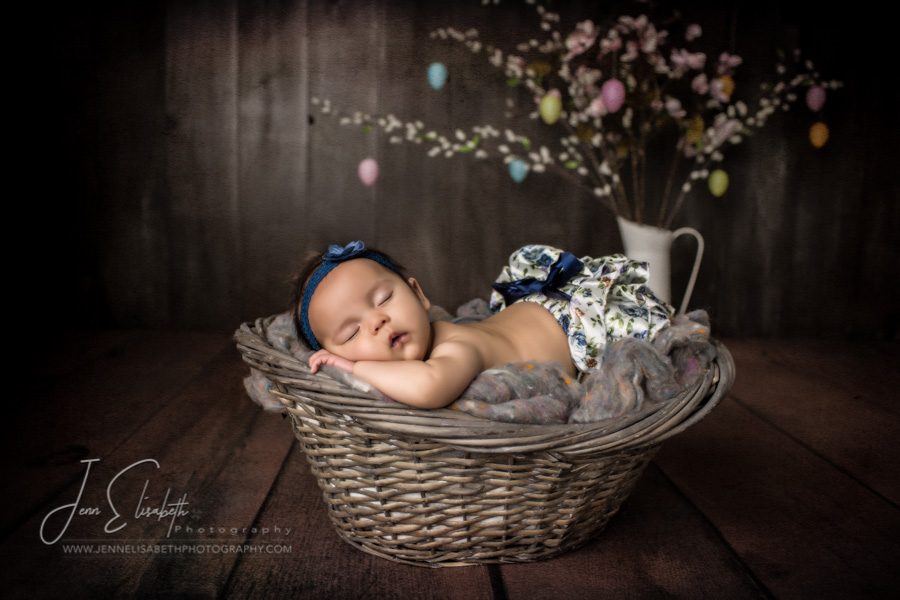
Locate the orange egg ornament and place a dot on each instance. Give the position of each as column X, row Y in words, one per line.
column 727, row 85
column 818, row 134
column 695, row 130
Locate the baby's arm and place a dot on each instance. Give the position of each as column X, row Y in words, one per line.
column 433, row 383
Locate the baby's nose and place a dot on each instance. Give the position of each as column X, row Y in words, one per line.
column 377, row 322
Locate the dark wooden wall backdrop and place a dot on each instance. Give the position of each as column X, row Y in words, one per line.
column 180, row 169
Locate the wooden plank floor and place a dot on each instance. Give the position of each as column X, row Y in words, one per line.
column 788, row 489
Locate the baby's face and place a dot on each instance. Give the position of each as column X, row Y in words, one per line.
column 364, row 311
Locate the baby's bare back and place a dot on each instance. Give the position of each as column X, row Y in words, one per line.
column 525, row 331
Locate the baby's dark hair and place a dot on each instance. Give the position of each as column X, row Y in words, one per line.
column 312, row 261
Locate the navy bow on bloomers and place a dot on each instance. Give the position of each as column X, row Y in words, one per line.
column 565, row 268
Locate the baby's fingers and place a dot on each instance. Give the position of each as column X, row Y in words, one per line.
column 315, row 361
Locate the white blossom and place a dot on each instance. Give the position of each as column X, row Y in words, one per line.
column 545, row 155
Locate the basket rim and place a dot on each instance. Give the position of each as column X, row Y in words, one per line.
column 295, row 384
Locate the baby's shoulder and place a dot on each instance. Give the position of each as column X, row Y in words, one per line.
column 457, row 346
column 448, row 335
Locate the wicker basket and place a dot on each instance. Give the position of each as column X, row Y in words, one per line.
column 444, row 488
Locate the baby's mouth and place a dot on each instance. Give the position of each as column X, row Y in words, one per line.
column 398, row 339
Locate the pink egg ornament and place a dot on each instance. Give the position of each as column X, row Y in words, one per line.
column 815, row 98
column 613, row 94
column 368, row 171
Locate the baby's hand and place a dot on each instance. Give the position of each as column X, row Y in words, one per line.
column 324, row 357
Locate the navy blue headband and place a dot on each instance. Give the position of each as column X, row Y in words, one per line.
column 336, row 255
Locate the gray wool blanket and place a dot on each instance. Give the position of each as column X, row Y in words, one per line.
column 633, row 373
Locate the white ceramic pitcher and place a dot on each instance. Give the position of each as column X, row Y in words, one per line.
column 653, row 245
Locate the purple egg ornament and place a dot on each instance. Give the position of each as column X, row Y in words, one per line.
column 815, row 98
column 613, row 94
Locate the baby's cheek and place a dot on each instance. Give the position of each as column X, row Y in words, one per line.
column 359, row 351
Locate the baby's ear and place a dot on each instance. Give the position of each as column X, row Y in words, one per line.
column 419, row 293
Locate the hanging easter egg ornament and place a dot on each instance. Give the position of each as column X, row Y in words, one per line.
column 695, row 130
column 551, row 105
column 437, row 75
column 815, row 98
column 368, row 171
column 727, row 85
column 818, row 134
column 613, row 94
column 518, row 169
column 718, row 183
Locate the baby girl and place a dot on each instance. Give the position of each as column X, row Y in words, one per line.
column 359, row 311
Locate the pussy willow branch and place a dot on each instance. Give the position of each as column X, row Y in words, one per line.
column 665, row 202
column 782, row 96
column 612, row 159
column 618, row 203
column 617, row 199
column 596, row 171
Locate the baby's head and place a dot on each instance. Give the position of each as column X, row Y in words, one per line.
column 357, row 303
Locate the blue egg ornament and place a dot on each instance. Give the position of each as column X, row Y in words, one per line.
column 518, row 169
column 437, row 75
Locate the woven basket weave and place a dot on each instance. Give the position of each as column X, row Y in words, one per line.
column 444, row 488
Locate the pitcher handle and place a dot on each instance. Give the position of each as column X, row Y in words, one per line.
column 690, row 285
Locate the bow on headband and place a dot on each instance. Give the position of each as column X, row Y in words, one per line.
column 337, row 253
column 565, row 267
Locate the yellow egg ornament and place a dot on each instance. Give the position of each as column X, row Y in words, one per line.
column 718, row 183
column 550, row 107
column 818, row 134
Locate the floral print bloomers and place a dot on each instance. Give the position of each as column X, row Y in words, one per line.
column 609, row 300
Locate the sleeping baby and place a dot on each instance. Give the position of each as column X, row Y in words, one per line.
column 360, row 312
